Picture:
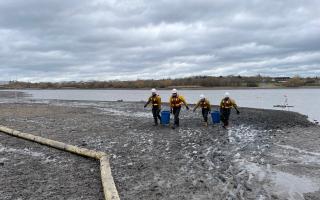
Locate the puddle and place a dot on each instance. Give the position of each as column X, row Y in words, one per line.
column 271, row 180
column 291, row 186
column 283, row 184
column 126, row 113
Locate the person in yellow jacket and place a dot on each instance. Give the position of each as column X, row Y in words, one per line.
column 225, row 109
column 155, row 101
column 176, row 102
column 206, row 108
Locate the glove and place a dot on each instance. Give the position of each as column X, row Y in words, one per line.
column 238, row 112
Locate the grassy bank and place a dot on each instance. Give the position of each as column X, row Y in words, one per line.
column 197, row 82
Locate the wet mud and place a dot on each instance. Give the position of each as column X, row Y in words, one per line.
column 264, row 154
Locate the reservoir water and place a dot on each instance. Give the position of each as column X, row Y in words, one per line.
column 305, row 101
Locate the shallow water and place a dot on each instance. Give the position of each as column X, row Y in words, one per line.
column 305, row 101
column 283, row 177
column 292, row 186
column 285, row 185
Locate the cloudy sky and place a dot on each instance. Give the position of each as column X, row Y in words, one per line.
column 63, row 40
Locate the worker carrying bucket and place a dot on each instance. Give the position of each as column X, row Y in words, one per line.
column 176, row 102
column 206, row 108
column 225, row 109
column 155, row 101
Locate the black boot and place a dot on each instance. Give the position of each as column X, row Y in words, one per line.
column 225, row 124
column 155, row 122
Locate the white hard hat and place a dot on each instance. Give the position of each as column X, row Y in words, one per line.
column 153, row 90
column 202, row 96
column 174, row 91
column 226, row 94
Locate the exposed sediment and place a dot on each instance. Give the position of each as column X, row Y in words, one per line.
column 261, row 154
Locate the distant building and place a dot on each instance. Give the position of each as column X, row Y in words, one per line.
column 280, row 79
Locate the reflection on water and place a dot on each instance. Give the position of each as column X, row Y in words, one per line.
column 305, row 101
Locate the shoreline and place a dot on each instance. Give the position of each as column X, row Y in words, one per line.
column 180, row 88
column 199, row 161
column 21, row 96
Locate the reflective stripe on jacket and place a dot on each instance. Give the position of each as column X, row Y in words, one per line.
column 155, row 100
column 229, row 103
column 204, row 104
column 177, row 101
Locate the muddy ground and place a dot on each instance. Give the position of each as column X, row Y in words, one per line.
column 265, row 154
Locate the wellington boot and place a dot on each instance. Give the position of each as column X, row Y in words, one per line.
column 155, row 122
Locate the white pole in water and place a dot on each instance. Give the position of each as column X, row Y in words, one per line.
column 16, row 99
column 286, row 102
column 15, row 103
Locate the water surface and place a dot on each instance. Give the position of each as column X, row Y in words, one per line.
column 305, row 101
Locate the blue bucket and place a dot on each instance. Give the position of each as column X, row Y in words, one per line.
column 215, row 117
column 165, row 117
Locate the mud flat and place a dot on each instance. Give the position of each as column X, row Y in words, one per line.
column 265, row 154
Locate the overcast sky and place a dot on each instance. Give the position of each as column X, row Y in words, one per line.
column 63, row 40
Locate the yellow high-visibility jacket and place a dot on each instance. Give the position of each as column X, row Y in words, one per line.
column 155, row 101
column 177, row 101
column 230, row 103
column 203, row 104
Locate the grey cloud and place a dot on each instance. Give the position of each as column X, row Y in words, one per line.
column 58, row 40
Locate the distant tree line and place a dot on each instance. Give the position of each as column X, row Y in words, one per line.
column 189, row 82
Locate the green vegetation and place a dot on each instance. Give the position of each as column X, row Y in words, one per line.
column 189, row 82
